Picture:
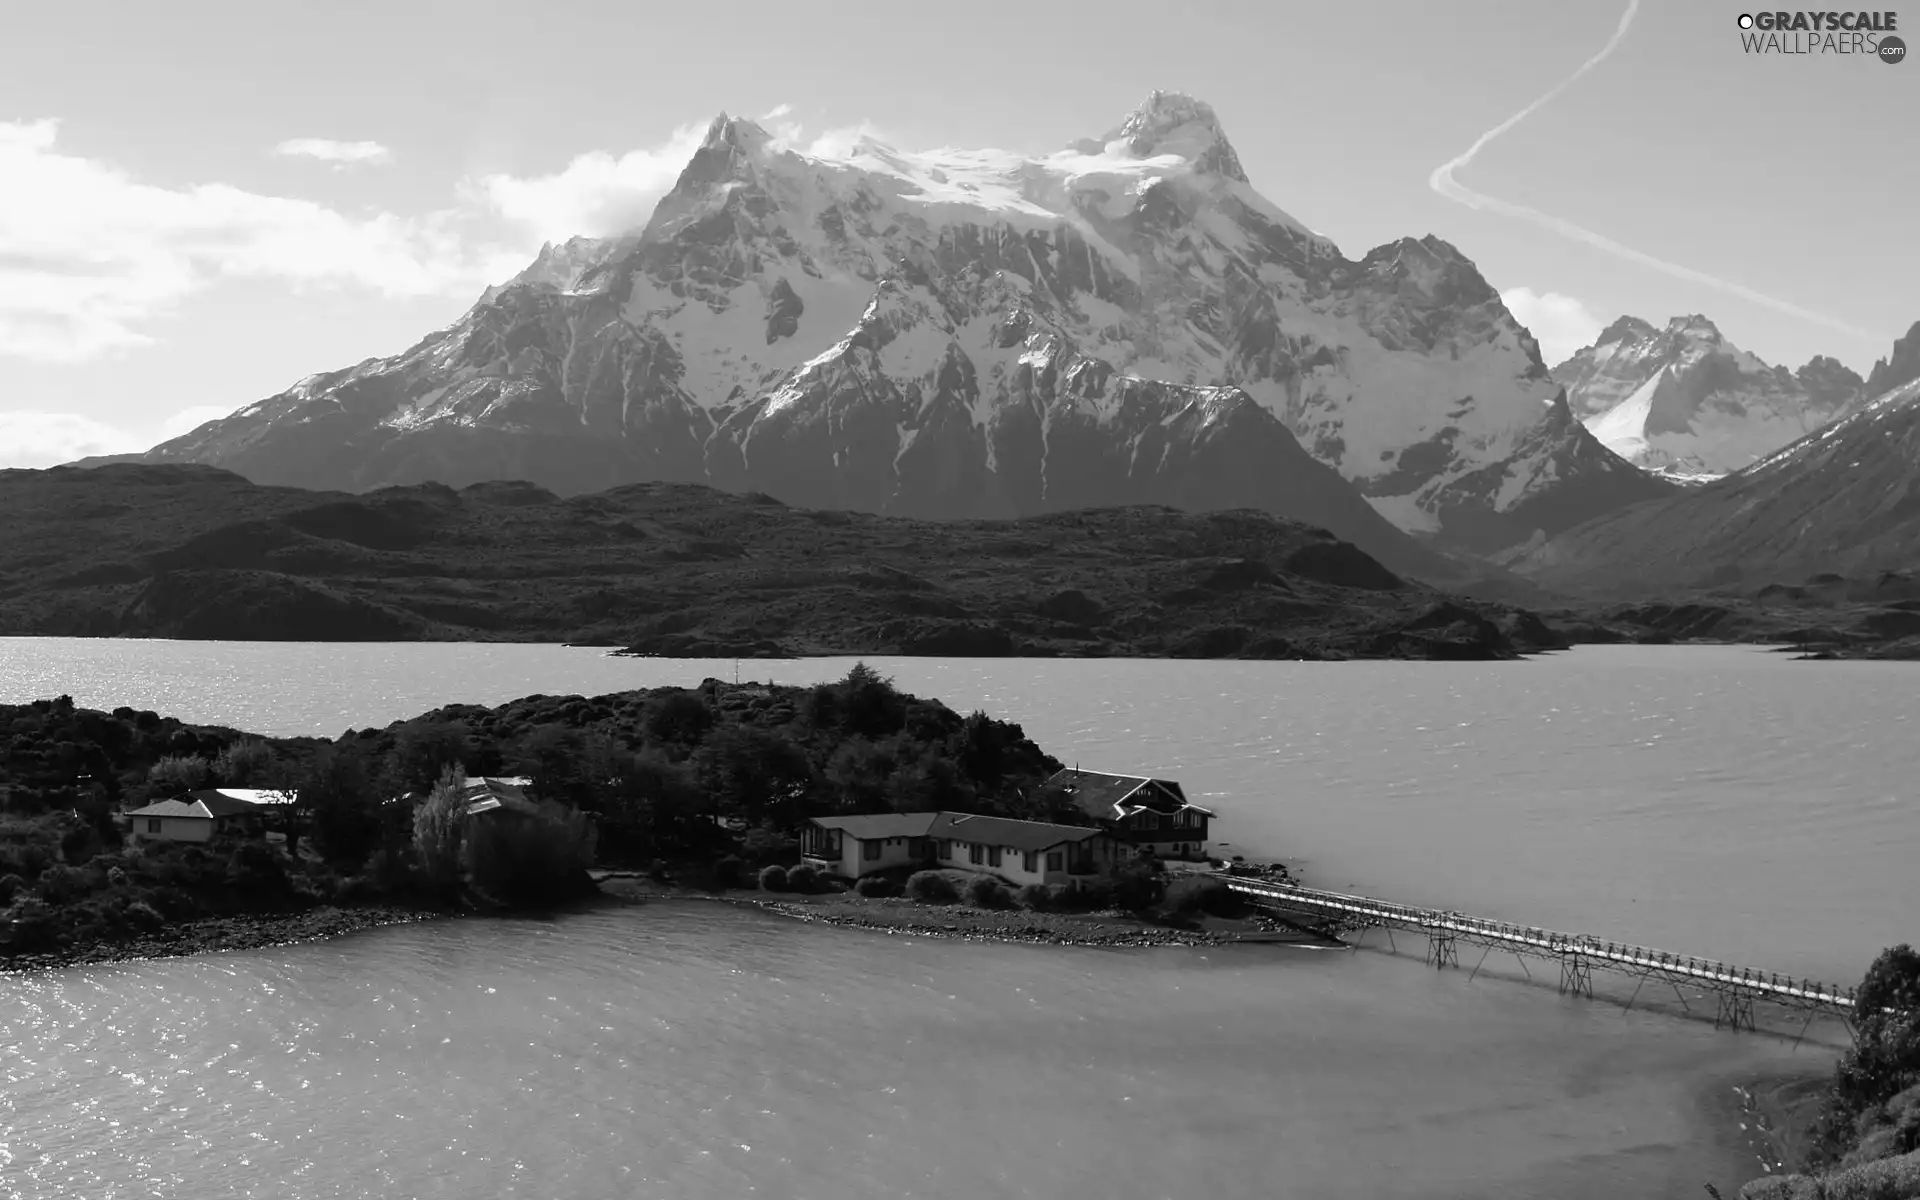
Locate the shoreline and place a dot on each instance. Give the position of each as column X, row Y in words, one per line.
column 962, row 922
column 215, row 935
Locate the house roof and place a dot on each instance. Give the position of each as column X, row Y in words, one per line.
column 490, row 793
column 1005, row 831
column 1105, row 795
column 191, row 810
column 965, row 827
column 254, row 795
column 881, row 825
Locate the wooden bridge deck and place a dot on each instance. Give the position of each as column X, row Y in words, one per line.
column 1576, row 951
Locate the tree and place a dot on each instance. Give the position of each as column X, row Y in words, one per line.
column 679, row 717
column 245, row 764
column 1885, row 1058
column 337, row 793
column 177, row 773
column 755, row 775
column 870, row 703
column 437, row 829
column 422, row 753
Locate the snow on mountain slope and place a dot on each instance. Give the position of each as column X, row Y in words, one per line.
column 907, row 331
column 1684, row 402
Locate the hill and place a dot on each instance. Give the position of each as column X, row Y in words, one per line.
column 188, row 551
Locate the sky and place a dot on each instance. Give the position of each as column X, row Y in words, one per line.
column 202, row 202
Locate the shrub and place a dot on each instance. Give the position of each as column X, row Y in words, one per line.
column 764, row 846
column 11, row 886
column 931, row 887
column 874, row 886
column 728, row 872
column 773, row 878
column 117, row 876
column 984, row 891
column 355, row 890
column 1136, row 888
column 657, row 870
column 1194, row 895
column 1036, row 896
column 144, row 917
column 64, row 885
column 534, row 860
column 804, row 879
column 1083, row 895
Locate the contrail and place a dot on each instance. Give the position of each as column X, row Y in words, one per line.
column 1443, row 182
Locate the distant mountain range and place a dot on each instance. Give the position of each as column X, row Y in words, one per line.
column 1686, row 403
column 1842, row 501
column 976, row 334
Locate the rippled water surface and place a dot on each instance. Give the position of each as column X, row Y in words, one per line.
column 1715, row 801
column 691, row 1050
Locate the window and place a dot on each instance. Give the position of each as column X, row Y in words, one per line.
column 946, row 847
column 153, row 824
column 1056, row 860
column 975, row 852
column 870, row 848
column 917, row 847
column 993, row 856
column 1029, row 861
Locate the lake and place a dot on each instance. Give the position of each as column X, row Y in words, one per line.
column 1712, row 800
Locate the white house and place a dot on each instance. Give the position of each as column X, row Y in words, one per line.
column 1019, row 852
column 196, row 817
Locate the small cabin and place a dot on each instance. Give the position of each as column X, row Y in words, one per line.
column 197, row 816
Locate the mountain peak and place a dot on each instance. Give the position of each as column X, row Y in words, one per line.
column 1176, row 123
column 1624, row 328
column 1695, row 325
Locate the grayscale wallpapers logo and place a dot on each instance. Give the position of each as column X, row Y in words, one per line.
column 1867, row 34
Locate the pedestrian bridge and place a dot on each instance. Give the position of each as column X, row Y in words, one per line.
column 1736, row 987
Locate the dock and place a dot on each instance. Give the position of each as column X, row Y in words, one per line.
column 1736, row 988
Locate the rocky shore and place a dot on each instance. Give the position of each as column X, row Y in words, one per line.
column 894, row 915
column 206, row 936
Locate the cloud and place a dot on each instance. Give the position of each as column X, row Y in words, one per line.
column 47, row 439
column 1443, row 182
column 1561, row 324
column 596, row 194
column 340, row 154
column 189, row 419
column 88, row 254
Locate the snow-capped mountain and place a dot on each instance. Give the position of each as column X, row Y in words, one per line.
column 1685, row 402
column 1844, row 499
column 962, row 333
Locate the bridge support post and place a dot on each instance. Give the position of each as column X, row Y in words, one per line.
column 1735, row 1010
column 1576, row 974
column 1441, row 950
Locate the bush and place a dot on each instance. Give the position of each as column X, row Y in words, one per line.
column 11, row 886
column 1036, row 896
column 117, row 876
column 984, row 891
column 874, row 886
column 728, row 872
column 355, row 890
column 533, row 860
column 931, row 887
column 1083, row 895
column 773, row 878
column 1194, row 895
column 764, row 846
column 144, row 917
column 1136, row 888
column 804, row 879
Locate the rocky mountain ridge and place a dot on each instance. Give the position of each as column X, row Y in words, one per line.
column 972, row 333
column 1684, row 402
